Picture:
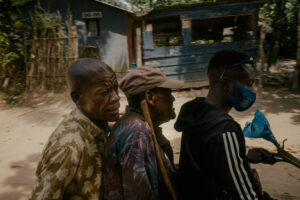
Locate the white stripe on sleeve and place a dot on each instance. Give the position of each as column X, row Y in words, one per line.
column 235, row 168
column 230, row 166
column 236, row 154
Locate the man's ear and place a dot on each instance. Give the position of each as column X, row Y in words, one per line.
column 224, row 83
column 75, row 97
column 149, row 97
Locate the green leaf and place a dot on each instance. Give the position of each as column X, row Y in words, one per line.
column 18, row 25
column 295, row 177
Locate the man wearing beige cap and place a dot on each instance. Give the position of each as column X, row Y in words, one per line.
column 131, row 168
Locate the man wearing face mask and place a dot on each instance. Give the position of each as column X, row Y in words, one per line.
column 213, row 162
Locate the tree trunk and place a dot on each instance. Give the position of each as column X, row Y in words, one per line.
column 139, row 60
column 278, row 29
column 262, row 55
column 296, row 81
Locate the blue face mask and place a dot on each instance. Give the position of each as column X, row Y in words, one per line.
column 242, row 103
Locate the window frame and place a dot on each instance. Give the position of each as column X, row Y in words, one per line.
column 87, row 25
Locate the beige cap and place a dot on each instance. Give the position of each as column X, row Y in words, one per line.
column 145, row 78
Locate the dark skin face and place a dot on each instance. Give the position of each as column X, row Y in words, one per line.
column 160, row 102
column 99, row 99
column 217, row 96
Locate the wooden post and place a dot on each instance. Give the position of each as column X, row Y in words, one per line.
column 55, row 56
column 32, row 64
column 25, row 50
column 148, row 37
column 277, row 31
column 35, row 64
column 72, row 41
column 129, row 31
column 75, row 43
column 296, row 81
column 72, row 47
column 262, row 56
column 139, row 47
column 61, row 60
column 52, row 59
column 186, row 31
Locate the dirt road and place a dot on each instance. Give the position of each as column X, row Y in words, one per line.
column 25, row 129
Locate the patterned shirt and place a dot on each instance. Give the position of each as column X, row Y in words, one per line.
column 130, row 166
column 71, row 163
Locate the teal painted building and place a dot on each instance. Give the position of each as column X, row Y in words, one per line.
column 98, row 24
column 180, row 40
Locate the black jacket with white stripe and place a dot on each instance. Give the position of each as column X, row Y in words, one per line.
column 213, row 161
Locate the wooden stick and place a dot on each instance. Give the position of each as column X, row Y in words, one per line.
column 144, row 107
column 287, row 156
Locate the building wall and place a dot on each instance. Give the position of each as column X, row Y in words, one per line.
column 189, row 62
column 112, row 41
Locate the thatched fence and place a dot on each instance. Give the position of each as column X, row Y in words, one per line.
column 50, row 56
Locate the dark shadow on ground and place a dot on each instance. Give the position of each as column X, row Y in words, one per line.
column 269, row 100
column 274, row 101
column 22, row 180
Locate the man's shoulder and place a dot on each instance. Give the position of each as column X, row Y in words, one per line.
column 129, row 125
column 127, row 130
column 232, row 129
column 193, row 103
column 68, row 133
column 76, row 123
column 71, row 124
column 232, row 126
column 224, row 126
column 132, row 122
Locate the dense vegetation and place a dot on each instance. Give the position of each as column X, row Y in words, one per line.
column 12, row 68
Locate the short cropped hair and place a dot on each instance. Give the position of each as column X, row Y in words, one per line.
column 224, row 61
column 84, row 71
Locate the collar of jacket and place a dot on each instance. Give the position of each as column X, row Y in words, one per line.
column 99, row 131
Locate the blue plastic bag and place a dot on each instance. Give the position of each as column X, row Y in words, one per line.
column 260, row 128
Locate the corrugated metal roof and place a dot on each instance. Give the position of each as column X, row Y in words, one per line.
column 198, row 5
column 108, row 4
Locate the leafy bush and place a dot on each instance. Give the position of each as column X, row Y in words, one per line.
column 11, row 42
column 11, row 99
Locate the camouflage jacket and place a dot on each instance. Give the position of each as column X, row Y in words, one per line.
column 71, row 163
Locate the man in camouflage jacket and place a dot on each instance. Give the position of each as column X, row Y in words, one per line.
column 71, row 163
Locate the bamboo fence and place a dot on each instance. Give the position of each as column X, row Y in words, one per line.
column 50, row 57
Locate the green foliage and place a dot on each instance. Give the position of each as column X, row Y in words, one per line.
column 140, row 5
column 42, row 21
column 18, row 2
column 11, row 99
column 282, row 17
column 11, row 44
column 200, row 42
